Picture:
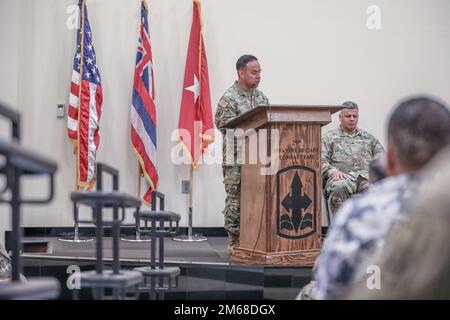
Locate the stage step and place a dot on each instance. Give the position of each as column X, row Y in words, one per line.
column 201, row 281
column 206, row 270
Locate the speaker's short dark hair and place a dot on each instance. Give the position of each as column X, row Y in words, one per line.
column 419, row 128
column 243, row 60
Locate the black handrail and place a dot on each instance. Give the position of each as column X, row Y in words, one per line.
column 14, row 116
column 103, row 167
column 19, row 162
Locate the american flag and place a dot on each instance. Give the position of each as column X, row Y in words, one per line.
column 84, row 118
column 143, row 110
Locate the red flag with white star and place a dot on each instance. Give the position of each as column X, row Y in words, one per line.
column 196, row 126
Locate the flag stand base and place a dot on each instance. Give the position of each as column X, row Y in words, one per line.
column 76, row 237
column 190, row 238
column 136, row 238
column 76, row 240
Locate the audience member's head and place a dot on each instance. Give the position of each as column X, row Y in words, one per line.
column 377, row 168
column 417, row 129
column 415, row 262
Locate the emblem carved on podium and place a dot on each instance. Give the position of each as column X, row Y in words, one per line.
column 296, row 202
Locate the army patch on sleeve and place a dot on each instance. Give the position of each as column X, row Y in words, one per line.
column 223, row 103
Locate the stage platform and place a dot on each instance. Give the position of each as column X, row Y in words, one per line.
column 213, row 251
column 207, row 273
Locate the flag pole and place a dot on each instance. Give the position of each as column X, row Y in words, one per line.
column 76, row 238
column 83, row 5
column 139, row 180
column 190, row 237
column 137, row 237
column 191, row 186
column 76, row 235
column 136, row 139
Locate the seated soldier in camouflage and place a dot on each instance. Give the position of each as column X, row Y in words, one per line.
column 242, row 96
column 346, row 154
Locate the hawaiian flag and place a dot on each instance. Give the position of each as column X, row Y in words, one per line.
column 85, row 103
column 196, row 127
column 143, row 110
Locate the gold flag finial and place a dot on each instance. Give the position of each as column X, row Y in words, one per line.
column 145, row 4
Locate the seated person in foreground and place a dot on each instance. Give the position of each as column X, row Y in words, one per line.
column 415, row 262
column 377, row 172
column 417, row 130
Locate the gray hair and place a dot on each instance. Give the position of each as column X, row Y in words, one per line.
column 350, row 105
column 418, row 129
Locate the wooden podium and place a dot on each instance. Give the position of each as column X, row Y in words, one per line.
column 281, row 210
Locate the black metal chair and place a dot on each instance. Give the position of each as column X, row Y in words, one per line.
column 138, row 235
column 158, row 277
column 101, row 167
column 76, row 234
column 119, row 281
column 19, row 161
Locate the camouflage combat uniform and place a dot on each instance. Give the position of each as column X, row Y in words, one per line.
column 351, row 154
column 234, row 102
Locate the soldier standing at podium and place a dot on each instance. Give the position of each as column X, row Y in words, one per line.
column 242, row 96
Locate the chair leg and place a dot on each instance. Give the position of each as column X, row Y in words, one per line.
column 75, row 294
column 98, row 293
column 153, row 288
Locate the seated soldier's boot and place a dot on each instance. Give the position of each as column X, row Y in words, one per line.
column 233, row 241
